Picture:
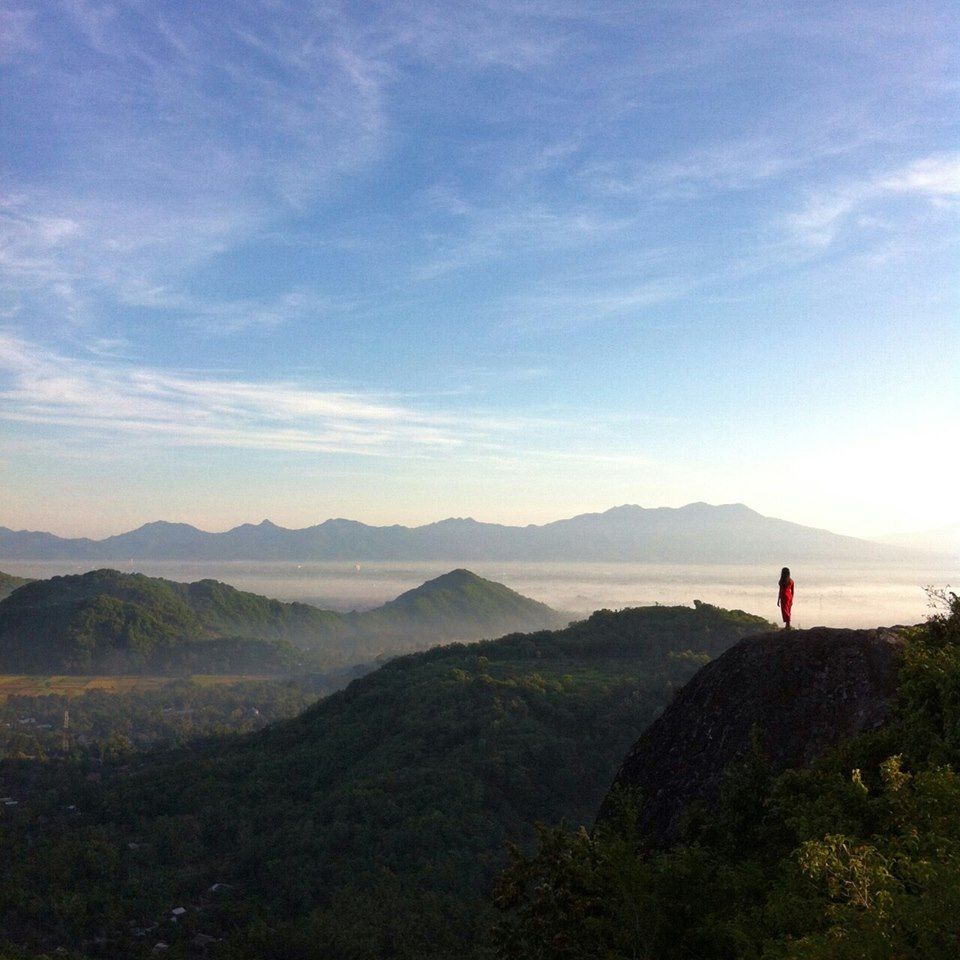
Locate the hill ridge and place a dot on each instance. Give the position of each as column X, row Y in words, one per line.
column 9, row 583
column 105, row 617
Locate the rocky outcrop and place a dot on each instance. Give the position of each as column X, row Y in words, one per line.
column 803, row 691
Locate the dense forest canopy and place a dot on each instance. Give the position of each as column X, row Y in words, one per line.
column 371, row 824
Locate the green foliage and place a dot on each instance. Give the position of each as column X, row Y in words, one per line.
column 372, row 824
column 856, row 857
column 107, row 621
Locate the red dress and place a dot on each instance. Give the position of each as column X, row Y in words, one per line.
column 786, row 601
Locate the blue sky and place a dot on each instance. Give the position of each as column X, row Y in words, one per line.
column 510, row 260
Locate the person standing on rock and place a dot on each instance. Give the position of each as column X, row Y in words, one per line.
column 785, row 597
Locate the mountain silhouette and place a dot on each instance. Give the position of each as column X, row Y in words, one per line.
column 696, row 533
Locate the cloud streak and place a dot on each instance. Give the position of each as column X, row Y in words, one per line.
column 107, row 399
column 491, row 234
column 934, row 181
column 559, row 308
column 179, row 140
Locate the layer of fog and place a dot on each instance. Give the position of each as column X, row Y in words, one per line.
column 834, row 594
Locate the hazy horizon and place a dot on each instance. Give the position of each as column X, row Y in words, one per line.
column 912, row 539
column 837, row 594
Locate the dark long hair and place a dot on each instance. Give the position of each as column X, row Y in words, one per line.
column 784, row 576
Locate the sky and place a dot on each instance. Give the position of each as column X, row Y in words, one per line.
column 510, row 260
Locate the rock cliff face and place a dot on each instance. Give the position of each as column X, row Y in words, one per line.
column 804, row 691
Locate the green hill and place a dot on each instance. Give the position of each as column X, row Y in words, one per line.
column 457, row 606
column 107, row 621
column 9, row 583
column 369, row 826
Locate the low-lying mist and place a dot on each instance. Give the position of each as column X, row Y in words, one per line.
column 834, row 594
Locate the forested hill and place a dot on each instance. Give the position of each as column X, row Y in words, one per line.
column 9, row 583
column 107, row 621
column 459, row 605
column 372, row 824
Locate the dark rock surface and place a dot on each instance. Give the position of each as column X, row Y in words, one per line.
column 804, row 691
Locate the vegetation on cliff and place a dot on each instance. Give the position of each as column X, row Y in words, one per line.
column 854, row 857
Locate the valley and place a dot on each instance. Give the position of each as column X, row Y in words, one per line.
column 379, row 815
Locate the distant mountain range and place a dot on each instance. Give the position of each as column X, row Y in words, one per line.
column 107, row 621
column 696, row 533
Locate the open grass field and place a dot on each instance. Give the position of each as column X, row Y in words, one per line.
column 69, row 686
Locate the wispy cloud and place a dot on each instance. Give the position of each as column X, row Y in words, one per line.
column 252, row 314
column 222, row 130
column 64, row 256
column 934, row 181
column 496, row 233
column 751, row 161
column 485, row 33
column 549, row 310
column 937, row 177
column 231, row 122
column 236, row 119
column 106, row 397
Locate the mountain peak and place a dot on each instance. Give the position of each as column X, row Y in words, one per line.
column 452, row 580
column 262, row 525
column 459, row 576
column 701, row 506
column 460, row 598
column 158, row 525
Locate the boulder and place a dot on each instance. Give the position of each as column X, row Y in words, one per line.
column 802, row 691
